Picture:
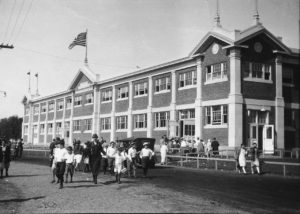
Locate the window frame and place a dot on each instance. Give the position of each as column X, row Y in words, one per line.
column 140, row 121
column 257, row 72
column 89, row 99
column 58, row 105
column 122, row 122
column 122, row 93
column 217, row 72
column 141, row 89
column 106, row 124
column 161, row 119
column 162, row 85
column 216, row 116
column 106, row 95
column 78, row 101
column 76, row 125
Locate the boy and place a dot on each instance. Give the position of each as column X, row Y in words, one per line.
column 70, row 163
column 119, row 159
column 60, row 157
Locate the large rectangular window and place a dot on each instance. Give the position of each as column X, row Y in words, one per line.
column 289, row 117
column 60, row 105
column 78, row 101
column 256, row 71
column 105, row 123
column 88, row 124
column 42, row 128
column 288, row 76
column 51, row 106
column 187, row 78
column 187, row 114
column 50, row 128
column 76, row 125
column 69, row 103
column 140, row 121
column 162, row 84
column 122, row 122
column 216, row 115
column 43, row 108
column 89, row 98
column 25, row 129
column 36, row 109
column 26, row 111
column 58, row 128
column 161, row 119
column 123, row 92
column 106, row 95
column 140, row 89
column 216, row 72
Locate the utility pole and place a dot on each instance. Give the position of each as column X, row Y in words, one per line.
column 6, row 46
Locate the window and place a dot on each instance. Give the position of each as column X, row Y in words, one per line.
column 50, row 128
column 288, row 76
column 43, row 108
column 60, row 105
column 69, row 103
column 51, row 106
column 122, row 122
column 289, row 117
column 123, row 92
column 187, row 78
column 216, row 115
column 216, row 72
column 187, row 114
column 78, row 101
column 76, row 125
column 256, row 71
column 162, row 84
column 161, row 119
column 89, row 98
column 67, row 126
column 42, row 128
column 140, row 121
column 141, row 89
column 26, row 111
column 58, row 128
column 107, row 95
column 88, row 124
column 189, row 130
column 105, row 123
column 25, row 129
column 258, row 116
column 36, row 109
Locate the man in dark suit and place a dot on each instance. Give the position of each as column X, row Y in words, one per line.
column 215, row 146
column 95, row 157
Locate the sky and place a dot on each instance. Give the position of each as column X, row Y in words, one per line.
column 122, row 34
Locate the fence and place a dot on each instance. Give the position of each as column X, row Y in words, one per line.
column 283, row 168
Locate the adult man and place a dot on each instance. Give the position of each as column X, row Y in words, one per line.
column 60, row 157
column 215, row 146
column 95, row 157
column 146, row 154
column 20, row 147
column 254, row 158
column 131, row 160
column 111, row 151
column 5, row 155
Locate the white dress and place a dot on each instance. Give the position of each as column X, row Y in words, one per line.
column 242, row 158
column 163, row 153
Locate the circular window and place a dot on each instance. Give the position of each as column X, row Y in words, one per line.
column 215, row 48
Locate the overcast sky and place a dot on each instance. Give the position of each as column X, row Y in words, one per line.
column 122, row 34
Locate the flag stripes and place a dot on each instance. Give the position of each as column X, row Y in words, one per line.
column 79, row 40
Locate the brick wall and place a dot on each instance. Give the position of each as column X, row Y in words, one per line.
column 35, row 118
column 105, row 108
column 122, row 105
column 25, row 119
column 83, row 111
column 50, row 116
column 59, row 115
column 140, row 103
column 41, row 140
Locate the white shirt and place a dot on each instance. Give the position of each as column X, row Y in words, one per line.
column 164, row 148
column 119, row 159
column 146, row 152
column 111, row 152
column 132, row 152
column 60, row 155
column 105, row 150
column 183, row 144
column 70, row 158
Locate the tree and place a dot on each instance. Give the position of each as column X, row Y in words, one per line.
column 11, row 128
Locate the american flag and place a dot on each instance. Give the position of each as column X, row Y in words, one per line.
column 79, row 40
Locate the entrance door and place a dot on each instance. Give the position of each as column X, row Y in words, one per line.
column 268, row 139
column 253, row 134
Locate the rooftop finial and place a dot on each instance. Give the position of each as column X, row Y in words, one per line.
column 217, row 17
column 256, row 14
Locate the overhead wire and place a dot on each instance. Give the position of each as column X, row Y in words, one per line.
column 9, row 20
column 16, row 22
column 22, row 25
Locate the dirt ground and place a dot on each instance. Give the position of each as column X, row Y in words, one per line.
column 167, row 189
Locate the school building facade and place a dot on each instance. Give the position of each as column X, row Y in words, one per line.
column 237, row 86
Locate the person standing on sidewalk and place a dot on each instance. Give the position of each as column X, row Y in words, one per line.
column 5, row 158
column 104, row 162
column 78, row 151
column 52, row 148
column 70, row 163
column 254, row 158
column 111, row 151
column 95, row 157
column 163, row 153
column 242, row 158
column 60, row 157
column 131, row 160
column 146, row 155
column 119, row 160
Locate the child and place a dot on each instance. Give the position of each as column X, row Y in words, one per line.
column 70, row 164
column 119, row 159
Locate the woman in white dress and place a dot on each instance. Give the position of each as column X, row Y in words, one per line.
column 163, row 153
column 242, row 158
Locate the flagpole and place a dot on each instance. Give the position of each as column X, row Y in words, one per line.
column 86, row 60
column 29, row 90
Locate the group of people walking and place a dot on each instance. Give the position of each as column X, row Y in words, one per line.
column 96, row 155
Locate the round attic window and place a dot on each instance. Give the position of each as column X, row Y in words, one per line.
column 215, row 48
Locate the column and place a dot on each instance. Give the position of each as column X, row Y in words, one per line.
column 235, row 108
column 171, row 127
column 46, row 124
column 30, row 127
column 113, row 118
column 96, row 111
column 39, row 125
column 71, row 118
column 198, row 101
column 54, row 121
column 279, row 106
column 149, row 108
column 63, row 121
column 130, row 122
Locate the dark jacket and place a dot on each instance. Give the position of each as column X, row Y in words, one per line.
column 95, row 152
column 5, row 155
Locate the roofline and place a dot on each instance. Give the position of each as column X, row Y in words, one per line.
column 49, row 96
column 142, row 71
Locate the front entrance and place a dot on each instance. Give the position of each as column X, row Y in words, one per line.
column 187, row 123
column 263, row 136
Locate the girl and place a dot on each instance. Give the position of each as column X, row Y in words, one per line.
column 119, row 159
column 242, row 158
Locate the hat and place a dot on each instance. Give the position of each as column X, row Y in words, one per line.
column 69, row 148
column 95, row 136
column 57, row 139
column 112, row 142
column 146, row 144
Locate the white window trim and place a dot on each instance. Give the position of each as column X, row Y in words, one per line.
column 140, row 130
column 105, row 130
column 255, row 79
column 121, row 130
column 160, row 129
column 87, row 131
column 143, row 95
column 224, row 79
column 288, row 84
column 162, row 92
column 88, row 104
column 187, row 87
column 121, row 99
column 209, row 126
column 77, row 132
column 108, row 101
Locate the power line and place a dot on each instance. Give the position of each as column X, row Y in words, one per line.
column 22, row 25
column 8, row 23
column 17, row 19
